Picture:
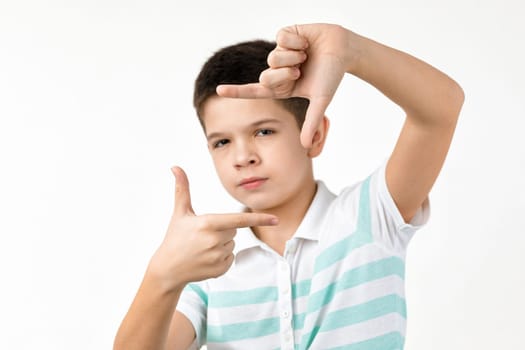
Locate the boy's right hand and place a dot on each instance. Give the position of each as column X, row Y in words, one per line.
column 197, row 247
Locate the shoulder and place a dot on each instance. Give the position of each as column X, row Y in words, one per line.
column 367, row 205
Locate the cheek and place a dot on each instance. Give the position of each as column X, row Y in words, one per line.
column 301, row 161
column 221, row 166
column 295, row 154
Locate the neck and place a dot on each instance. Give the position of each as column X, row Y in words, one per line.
column 290, row 215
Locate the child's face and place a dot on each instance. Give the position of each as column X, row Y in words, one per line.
column 256, row 150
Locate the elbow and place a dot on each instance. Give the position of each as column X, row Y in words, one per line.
column 118, row 344
column 451, row 100
column 441, row 108
column 455, row 98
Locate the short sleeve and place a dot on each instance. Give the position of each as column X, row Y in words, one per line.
column 193, row 304
column 389, row 227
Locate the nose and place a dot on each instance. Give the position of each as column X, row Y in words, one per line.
column 245, row 155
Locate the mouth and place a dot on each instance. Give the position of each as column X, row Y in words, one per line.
column 252, row 182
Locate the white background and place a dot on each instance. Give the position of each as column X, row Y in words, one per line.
column 95, row 107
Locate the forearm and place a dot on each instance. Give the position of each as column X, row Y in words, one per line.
column 428, row 96
column 147, row 322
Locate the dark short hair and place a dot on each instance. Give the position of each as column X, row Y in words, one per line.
column 241, row 63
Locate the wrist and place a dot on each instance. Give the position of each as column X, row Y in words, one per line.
column 166, row 279
column 354, row 51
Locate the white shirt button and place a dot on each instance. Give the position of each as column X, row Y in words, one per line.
column 286, row 314
column 285, row 290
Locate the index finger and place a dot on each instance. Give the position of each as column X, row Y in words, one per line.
column 252, row 90
column 222, row 222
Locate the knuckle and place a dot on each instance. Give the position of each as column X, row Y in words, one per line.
column 270, row 59
column 211, row 259
column 282, row 36
column 228, row 262
column 292, row 72
column 241, row 221
column 223, row 266
column 264, row 78
column 273, row 59
column 203, row 224
column 215, row 258
column 219, row 259
column 301, row 56
column 211, row 242
column 218, row 272
column 178, row 189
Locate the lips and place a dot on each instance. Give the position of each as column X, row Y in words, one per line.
column 252, row 182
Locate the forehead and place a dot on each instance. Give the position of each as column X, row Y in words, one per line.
column 222, row 114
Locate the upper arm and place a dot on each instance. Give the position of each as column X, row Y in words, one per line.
column 416, row 162
column 181, row 333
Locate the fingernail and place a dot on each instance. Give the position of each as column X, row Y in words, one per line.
column 274, row 221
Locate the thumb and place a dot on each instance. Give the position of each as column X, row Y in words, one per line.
column 182, row 192
column 313, row 118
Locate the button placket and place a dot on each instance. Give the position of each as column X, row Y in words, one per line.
column 285, row 304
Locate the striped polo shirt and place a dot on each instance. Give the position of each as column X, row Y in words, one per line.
column 338, row 285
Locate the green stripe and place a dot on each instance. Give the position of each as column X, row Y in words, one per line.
column 364, row 221
column 239, row 331
column 298, row 321
column 389, row 341
column 200, row 292
column 255, row 296
column 243, row 297
column 356, row 314
column 360, row 237
column 300, row 289
column 340, row 250
column 359, row 275
column 392, row 303
column 244, row 330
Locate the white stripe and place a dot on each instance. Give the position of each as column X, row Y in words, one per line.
column 242, row 313
column 360, row 332
column 366, row 292
column 271, row 341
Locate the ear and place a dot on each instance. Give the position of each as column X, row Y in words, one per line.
column 319, row 138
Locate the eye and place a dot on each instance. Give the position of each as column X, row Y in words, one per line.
column 264, row 132
column 221, row 143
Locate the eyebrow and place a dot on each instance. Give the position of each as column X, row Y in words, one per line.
column 255, row 124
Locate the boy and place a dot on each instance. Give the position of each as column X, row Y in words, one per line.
column 300, row 268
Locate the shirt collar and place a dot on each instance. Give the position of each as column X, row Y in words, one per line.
column 309, row 228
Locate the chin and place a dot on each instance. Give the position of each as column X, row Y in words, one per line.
column 255, row 205
column 258, row 204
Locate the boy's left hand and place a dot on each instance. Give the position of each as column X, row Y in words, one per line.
column 309, row 61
